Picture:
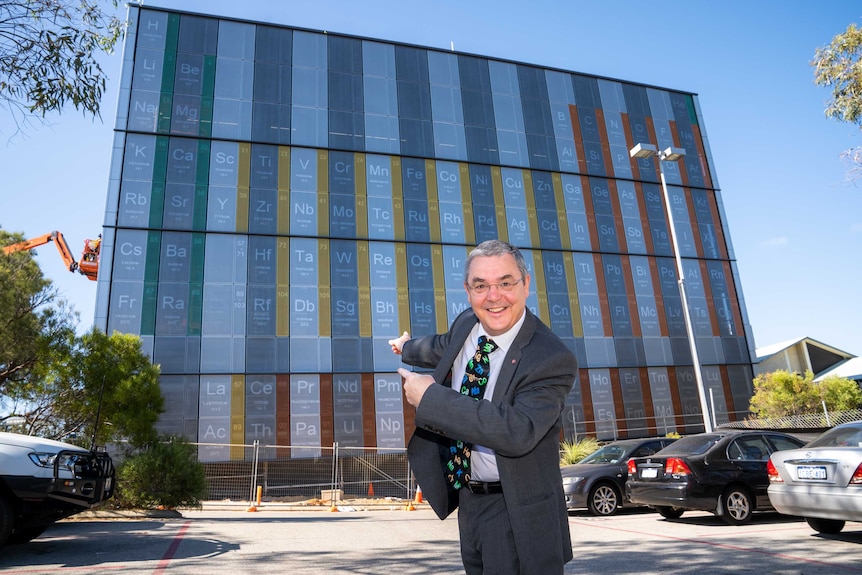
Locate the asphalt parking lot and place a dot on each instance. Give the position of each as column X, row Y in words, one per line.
column 393, row 540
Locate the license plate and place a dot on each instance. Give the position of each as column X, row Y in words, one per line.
column 811, row 472
column 649, row 473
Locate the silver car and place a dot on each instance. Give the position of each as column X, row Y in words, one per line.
column 822, row 481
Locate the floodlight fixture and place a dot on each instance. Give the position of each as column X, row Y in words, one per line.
column 671, row 154
column 643, row 151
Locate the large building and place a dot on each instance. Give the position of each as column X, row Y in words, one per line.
column 282, row 202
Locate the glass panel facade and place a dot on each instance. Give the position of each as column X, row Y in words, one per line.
column 289, row 201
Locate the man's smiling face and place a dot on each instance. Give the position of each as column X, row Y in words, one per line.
column 497, row 309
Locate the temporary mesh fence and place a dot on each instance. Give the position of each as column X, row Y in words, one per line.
column 310, row 476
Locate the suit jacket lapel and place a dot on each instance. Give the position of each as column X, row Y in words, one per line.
column 459, row 332
column 514, row 357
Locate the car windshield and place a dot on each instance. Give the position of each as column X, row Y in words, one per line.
column 611, row 453
column 692, row 444
column 841, row 436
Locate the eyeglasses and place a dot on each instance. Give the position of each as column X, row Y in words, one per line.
column 482, row 289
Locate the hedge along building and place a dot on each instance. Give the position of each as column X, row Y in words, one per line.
column 282, row 202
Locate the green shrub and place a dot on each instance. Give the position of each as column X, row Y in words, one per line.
column 574, row 451
column 165, row 474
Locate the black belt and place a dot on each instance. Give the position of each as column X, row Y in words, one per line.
column 484, row 487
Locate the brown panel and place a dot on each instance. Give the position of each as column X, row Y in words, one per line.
column 646, row 391
column 627, row 129
column 659, row 297
column 692, row 216
column 327, row 415
column 730, row 408
column 619, row 407
column 674, row 394
column 707, row 292
column 683, row 172
column 631, row 297
column 719, row 229
column 369, row 413
column 282, row 411
column 701, row 155
column 591, row 211
column 734, row 299
column 587, row 400
column 603, row 138
column 579, row 139
column 647, row 230
column 603, row 295
column 618, row 215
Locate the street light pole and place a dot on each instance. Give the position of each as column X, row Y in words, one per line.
column 671, row 154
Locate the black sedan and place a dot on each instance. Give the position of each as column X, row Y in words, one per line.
column 597, row 482
column 723, row 472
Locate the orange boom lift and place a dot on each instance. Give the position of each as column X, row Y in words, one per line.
column 89, row 264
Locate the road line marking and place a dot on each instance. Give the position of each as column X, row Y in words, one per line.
column 172, row 548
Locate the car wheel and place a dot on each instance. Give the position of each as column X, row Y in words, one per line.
column 670, row 512
column 603, row 500
column 26, row 535
column 737, row 506
column 7, row 518
column 828, row 526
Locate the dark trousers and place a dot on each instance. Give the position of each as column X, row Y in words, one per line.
column 487, row 543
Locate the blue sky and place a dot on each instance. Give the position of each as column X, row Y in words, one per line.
column 795, row 220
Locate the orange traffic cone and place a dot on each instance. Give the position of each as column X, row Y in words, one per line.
column 370, row 489
column 418, row 498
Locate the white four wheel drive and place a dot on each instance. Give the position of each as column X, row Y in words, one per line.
column 43, row 481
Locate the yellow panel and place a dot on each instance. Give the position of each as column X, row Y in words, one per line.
column 282, row 293
column 397, row 199
column 543, row 314
column 283, row 209
column 467, row 203
column 499, row 203
column 364, row 269
column 433, row 206
column 560, row 201
column 322, row 193
column 361, row 195
column 538, row 272
column 574, row 301
column 401, row 283
column 325, row 294
column 530, row 197
column 440, row 310
column 243, row 172
column 237, row 416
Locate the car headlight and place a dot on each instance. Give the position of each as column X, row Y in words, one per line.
column 572, row 480
column 67, row 460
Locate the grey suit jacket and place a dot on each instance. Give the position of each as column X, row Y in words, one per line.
column 521, row 423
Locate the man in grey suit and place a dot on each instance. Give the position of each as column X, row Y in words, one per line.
column 512, row 514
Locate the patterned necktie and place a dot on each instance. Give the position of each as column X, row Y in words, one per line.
column 473, row 385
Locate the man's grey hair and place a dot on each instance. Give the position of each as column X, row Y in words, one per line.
column 492, row 248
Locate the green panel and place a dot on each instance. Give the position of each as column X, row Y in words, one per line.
column 157, row 204
column 173, row 34
column 169, row 68
column 199, row 217
column 148, row 308
column 160, row 162
column 196, row 274
column 154, row 252
column 207, row 96
column 196, row 307
column 163, row 124
column 692, row 113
